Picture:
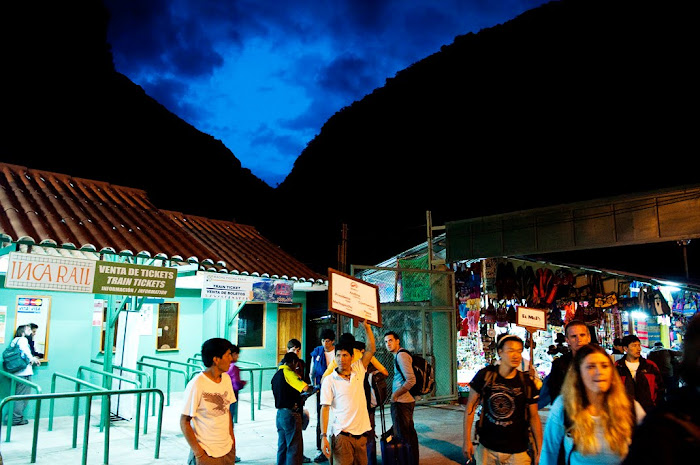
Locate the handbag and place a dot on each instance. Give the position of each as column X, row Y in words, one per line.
column 13, row 359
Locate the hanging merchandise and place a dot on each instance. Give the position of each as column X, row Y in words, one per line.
column 660, row 306
column 569, row 311
column 545, row 288
column 502, row 316
column 505, row 280
column 524, row 283
column 490, row 314
column 554, row 316
column 488, row 275
column 565, row 281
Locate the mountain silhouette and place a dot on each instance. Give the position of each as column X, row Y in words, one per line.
column 573, row 100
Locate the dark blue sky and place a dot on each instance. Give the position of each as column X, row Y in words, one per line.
column 264, row 76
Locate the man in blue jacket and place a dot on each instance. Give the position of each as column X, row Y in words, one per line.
column 321, row 356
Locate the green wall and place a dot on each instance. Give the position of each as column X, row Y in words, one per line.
column 73, row 341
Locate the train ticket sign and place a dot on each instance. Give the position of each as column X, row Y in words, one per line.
column 353, row 297
column 532, row 318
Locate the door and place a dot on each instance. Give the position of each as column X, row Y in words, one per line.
column 288, row 327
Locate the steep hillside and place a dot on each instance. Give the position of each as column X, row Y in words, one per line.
column 67, row 110
column 574, row 100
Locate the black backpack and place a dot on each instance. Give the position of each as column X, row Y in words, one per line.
column 13, row 359
column 425, row 375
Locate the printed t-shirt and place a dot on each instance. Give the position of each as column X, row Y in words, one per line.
column 504, row 428
column 208, row 404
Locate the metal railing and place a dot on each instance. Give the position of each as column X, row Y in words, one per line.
column 192, row 368
column 141, row 374
column 155, row 367
column 105, row 413
column 14, row 379
column 89, row 395
column 252, row 387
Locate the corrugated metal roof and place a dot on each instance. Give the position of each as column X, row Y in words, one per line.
column 44, row 207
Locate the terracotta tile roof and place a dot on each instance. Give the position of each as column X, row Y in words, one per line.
column 44, row 207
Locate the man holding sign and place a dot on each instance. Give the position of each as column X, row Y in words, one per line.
column 343, row 392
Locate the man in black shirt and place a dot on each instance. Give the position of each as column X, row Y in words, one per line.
column 577, row 335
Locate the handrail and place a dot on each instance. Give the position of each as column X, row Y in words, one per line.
column 169, row 370
column 140, row 374
column 13, row 385
column 89, row 395
column 257, row 364
column 195, row 358
column 78, row 382
column 252, row 388
column 137, row 385
column 189, row 366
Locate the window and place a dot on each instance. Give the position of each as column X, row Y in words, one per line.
column 251, row 325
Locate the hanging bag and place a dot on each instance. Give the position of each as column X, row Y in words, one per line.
column 13, row 359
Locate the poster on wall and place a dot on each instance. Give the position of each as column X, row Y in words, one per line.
column 167, row 332
column 247, row 288
column 35, row 310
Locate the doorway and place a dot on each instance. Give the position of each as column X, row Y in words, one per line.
column 288, row 327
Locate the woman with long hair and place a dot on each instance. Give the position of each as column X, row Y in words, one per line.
column 591, row 422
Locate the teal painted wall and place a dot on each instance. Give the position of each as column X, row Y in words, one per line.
column 70, row 344
column 73, row 341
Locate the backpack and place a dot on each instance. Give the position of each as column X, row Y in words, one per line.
column 488, row 380
column 13, row 359
column 425, row 375
column 378, row 389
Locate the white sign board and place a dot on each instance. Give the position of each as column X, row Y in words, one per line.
column 353, row 297
column 28, row 271
column 224, row 286
column 532, row 318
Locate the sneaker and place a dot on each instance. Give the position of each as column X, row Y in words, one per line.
column 320, row 458
column 306, row 460
column 21, row 422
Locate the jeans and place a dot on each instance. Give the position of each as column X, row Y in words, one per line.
column 290, row 446
column 402, row 419
column 19, row 405
column 318, row 420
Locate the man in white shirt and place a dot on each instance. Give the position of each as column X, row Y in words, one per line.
column 343, row 393
column 205, row 420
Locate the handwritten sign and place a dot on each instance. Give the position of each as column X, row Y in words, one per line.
column 353, row 297
column 532, row 318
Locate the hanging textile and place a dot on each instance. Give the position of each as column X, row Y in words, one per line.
column 415, row 286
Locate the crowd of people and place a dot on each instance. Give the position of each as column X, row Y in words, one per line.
column 338, row 373
column 602, row 409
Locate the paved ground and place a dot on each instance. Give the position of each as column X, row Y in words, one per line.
column 439, row 431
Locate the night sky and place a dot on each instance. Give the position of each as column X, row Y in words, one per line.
column 264, row 76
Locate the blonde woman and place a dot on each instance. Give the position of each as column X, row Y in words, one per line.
column 592, row 418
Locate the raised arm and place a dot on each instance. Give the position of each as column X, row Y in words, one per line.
column 370, row 346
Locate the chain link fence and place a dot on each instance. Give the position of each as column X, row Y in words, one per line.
column 419, row 306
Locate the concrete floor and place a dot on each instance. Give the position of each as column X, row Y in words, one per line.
column 439, row 432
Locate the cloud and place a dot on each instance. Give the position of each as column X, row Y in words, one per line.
column 276, row 71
